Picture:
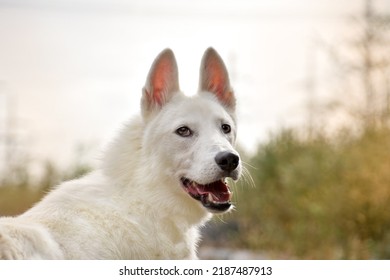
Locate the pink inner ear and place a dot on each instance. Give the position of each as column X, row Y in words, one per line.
column 163, row 80
column 160, row 81
column 217, row 81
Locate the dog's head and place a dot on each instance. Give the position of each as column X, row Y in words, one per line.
column 192, row 138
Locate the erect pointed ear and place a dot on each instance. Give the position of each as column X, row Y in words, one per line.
column 161, row 84
column 214, row 78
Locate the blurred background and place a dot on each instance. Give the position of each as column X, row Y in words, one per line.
column 312, row 80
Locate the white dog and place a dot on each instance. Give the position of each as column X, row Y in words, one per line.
column 159, row 181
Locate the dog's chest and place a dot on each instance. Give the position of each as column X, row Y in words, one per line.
column 163, row 239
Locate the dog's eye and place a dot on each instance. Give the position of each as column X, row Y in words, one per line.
column 184, row 131
column 226, row 128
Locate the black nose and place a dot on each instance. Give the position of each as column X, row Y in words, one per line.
column 227, row 161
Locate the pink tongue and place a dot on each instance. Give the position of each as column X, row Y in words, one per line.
column 219, row 191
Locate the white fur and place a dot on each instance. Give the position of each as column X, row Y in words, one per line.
column 133, row 206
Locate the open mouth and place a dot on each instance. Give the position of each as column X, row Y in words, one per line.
column 214, row 196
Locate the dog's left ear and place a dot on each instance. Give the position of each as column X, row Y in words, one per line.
column 214, row 78
column 161, row 84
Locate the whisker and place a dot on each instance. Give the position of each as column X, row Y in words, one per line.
column 247, row 177
column 250, row 165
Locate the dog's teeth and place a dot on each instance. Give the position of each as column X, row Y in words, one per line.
column 210, row 197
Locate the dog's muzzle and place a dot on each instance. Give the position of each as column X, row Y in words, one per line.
column 215, row 196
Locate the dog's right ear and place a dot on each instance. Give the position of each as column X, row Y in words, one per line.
column 161, row 84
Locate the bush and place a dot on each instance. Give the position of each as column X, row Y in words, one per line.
column 318, row 197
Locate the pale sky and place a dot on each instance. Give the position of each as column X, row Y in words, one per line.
column 74, row 69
